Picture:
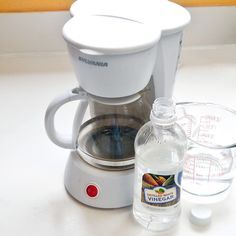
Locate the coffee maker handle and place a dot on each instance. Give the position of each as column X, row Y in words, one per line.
column 64, row 140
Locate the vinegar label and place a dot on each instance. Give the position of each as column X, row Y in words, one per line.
column 160, row 190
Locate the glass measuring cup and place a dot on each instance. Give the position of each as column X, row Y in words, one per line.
column 209, row 165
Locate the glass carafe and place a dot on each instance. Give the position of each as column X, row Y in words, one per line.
column 104, row 129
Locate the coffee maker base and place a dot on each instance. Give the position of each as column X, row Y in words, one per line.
column 96, row 187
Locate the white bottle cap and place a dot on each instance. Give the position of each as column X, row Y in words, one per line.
column 200, row 215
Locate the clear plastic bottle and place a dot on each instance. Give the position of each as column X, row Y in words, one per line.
column 160, row 146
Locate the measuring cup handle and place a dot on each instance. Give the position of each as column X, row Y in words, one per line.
column 63, row 140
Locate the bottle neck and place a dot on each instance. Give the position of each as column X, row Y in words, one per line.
column 162, row 121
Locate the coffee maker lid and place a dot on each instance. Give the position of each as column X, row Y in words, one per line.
column 170, row 16
column 110, row 35
column 173, row 16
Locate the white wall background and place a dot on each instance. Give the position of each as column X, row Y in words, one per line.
column 211, row 25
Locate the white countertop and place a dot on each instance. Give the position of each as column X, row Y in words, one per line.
column 33, row 200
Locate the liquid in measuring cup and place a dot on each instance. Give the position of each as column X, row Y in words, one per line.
column 209, row 165
column 207, row 175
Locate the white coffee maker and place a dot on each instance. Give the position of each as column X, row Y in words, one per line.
column 122, row 60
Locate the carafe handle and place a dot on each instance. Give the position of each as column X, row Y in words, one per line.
column 63, row 140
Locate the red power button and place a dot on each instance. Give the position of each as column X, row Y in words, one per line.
column 92, row 190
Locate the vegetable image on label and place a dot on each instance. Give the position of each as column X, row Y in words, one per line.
column 159, row 190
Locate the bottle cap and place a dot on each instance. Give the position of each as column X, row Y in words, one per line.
column 200, row 215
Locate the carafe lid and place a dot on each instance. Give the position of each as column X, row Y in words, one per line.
column 109, row 34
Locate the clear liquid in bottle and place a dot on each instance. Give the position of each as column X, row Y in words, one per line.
column 159, row 149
